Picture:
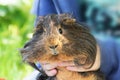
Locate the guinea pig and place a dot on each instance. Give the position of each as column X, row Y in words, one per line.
column 59, row 38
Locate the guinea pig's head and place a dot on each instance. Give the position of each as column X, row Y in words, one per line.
column 59, row 37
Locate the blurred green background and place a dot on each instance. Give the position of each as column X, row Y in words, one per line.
column 16, row 24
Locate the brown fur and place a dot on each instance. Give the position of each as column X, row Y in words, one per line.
column 60, row 38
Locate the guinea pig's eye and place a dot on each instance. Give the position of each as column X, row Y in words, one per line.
column 60, row 31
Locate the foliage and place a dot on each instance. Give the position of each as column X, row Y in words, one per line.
column 16, row 24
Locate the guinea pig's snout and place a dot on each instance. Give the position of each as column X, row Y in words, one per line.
column 53, row 44
column 53, row 49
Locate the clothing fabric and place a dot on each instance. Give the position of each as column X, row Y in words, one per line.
column 45, row 7
column 110, row 57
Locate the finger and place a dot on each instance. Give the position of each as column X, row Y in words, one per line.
column 77, row 69
column 48, row 67
column 66, row 63
column 52, row 72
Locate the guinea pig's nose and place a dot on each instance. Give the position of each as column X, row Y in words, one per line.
column 53, row 46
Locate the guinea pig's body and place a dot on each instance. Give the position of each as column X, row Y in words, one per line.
column 60, row 38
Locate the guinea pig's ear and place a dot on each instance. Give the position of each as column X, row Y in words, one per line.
column 66, row 15
column 39, row 20
column 69, row 21
column 39, row 25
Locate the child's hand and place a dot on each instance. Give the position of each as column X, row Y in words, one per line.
column 71, row 66
column 49, row 68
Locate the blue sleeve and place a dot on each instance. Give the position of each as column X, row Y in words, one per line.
column 110, row 58
column 45, row 7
